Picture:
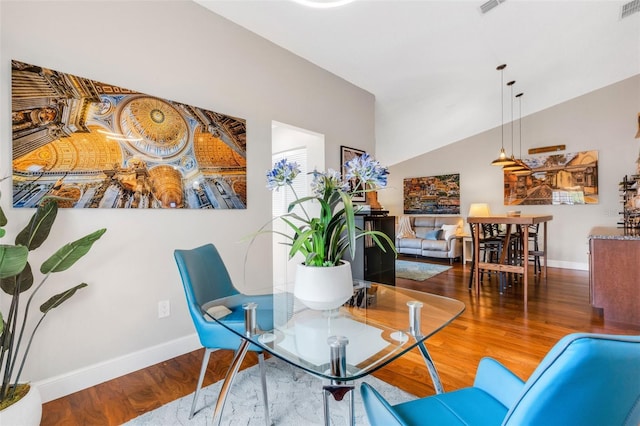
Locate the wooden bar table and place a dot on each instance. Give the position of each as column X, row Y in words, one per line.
column 523, row 221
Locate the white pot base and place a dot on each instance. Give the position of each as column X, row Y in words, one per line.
column 26, row 412
column 324, row 288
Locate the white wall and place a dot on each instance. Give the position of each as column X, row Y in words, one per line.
column 605, row 120
column 175, row 50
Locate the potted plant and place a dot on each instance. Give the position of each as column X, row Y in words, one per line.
column 17, row 280
column 324, row 239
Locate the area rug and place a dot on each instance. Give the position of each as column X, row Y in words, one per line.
column 418, row 271
column 295, row 399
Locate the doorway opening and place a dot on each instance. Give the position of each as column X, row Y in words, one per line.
column 307, row 149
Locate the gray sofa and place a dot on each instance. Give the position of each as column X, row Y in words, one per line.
column 430, row 236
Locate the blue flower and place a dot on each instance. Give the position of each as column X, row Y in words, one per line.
column 324, row 183
column 368, row 172
column 283, row 173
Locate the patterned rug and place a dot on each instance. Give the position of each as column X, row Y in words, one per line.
column 295, row 399
column 418, row 271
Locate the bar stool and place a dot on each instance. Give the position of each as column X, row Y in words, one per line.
column 490, row 248
column 535, row 254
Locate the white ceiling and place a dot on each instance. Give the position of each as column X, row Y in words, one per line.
column 432, row 64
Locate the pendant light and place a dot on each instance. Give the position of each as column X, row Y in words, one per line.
column 515, row 164
column 526, row 169
column 502, row 159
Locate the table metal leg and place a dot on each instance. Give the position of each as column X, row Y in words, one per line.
column 228, row 380
column 414, row 329
column 251, row 328
column 338, row 389
column 265, row 397
column 437, row 383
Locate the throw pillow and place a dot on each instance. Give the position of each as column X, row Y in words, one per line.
column 433, row 235
column 448, row 231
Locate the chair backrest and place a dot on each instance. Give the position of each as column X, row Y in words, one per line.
column 586, row 379
column 204, row 278
column 490, row 230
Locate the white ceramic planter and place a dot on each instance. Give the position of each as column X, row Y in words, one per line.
column 26, row 412
column 323, row 288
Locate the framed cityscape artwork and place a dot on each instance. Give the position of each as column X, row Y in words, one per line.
column 432, row 194
column 570, row 178
column 97, row 145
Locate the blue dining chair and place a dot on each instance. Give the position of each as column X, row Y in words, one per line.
column 207, row 285
column 586, row 379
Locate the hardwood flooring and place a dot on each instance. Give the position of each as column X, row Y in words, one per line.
column 493, row 325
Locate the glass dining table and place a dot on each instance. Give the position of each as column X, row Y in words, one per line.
column 378, row 325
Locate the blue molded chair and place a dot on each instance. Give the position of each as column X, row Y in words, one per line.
column 586, row 379
column 206, row 284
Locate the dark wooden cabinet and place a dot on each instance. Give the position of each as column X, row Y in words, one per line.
column 371, row 262
column 614, row 276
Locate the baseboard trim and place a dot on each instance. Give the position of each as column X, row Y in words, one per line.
column 74, row 381
column 578, row 266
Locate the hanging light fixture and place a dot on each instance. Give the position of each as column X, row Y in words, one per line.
column 502, row 159
column 515, row 163
column 526, row 170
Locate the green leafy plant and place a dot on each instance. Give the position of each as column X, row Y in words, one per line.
column 324, row 240
column 17, row 280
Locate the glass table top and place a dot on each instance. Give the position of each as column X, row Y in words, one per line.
column 380, row 323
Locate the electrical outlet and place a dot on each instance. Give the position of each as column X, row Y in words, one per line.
column 164, row 309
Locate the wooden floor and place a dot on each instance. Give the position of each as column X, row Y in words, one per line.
column 494, row 325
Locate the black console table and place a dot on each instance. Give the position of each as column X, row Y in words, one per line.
column 371, row 263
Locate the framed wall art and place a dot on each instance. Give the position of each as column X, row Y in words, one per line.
column 347, row 154
column 432, row 194
column 97, row 145
column 570, row 178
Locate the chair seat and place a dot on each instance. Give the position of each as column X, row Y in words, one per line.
column 462, row 407
column 219, row 337
column 234, row 304
column 586, row 379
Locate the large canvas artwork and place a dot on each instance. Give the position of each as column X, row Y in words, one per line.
column 570, row 178
column 432, row 195
column 96, row 145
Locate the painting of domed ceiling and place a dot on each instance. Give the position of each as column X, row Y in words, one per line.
column 95, row 145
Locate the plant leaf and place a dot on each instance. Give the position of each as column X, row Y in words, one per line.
column 5, row 337
column 59, row 299
column 38, row 228
column 66, row 256
column 13, row 259
column 3, row 219
column 25, row 281
column 350, row 223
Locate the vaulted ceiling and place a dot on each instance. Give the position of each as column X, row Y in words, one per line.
column 432, row 64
